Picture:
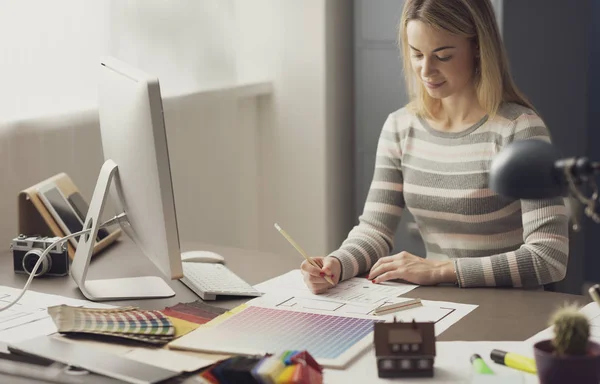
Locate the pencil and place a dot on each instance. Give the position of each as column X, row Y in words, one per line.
column 301, row 251
column 397, row 307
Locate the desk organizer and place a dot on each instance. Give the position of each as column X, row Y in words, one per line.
column 35, row 219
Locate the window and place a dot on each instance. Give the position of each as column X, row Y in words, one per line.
column 414, row 347
column 395, row 347
column 405, row 347
column 423, row 364
column 50, row 55
column 51, row 49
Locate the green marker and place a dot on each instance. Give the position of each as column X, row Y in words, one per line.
column 480, row 366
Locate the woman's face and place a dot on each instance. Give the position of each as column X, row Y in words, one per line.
column 443, row 62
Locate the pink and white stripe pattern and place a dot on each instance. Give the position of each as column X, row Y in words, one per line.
column 442, row 178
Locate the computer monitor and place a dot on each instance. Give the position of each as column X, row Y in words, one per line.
column 136, row 157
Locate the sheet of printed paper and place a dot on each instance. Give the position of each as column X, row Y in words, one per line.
column 443, row 314
column 354, row 291
column 452, row 365
column 591, row 310
column 29, row 317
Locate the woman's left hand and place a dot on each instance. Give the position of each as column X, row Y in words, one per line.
column 413, row 269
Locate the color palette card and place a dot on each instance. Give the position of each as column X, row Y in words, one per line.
column 196, row 312
column 126, row 322
column 256, row 330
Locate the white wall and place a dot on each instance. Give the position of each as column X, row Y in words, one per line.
column 50, row 51
column 189, row 44
column 239, row 164
column 213, row 162
column 305, row 132
column 302, row 146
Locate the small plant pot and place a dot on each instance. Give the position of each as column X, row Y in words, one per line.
column 552, row 368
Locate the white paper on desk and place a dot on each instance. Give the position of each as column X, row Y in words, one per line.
column 29, row 317
column 444, row 314
column 45, row 326
column 168, row 359
column 179, row 361
column 355, row 291
column 591, row 310
column 356, row 297
column 451, row 365
column 329, row 306
column 18, row 314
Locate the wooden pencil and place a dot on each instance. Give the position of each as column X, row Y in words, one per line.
column 301, row 251
column 396, row 307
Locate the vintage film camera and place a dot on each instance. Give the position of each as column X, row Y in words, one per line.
column 27, row 251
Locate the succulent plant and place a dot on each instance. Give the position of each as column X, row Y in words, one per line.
column 571, row 331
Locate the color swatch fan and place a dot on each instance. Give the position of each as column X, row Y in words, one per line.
column 126, row 322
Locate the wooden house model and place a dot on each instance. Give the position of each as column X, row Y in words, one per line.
column 405, row 349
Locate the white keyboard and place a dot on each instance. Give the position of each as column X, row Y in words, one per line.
column 208, row 280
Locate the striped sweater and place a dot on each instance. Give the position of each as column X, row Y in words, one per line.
column 442, row 178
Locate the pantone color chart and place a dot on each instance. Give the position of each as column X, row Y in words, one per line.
column 194, row 312
column 331, row 340
column 126, row 322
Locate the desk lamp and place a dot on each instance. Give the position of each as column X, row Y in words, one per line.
column 534, row 169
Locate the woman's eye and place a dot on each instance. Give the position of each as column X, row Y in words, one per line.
column 417, row 56
column 444, row 58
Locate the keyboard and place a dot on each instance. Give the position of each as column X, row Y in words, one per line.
column 208, row 280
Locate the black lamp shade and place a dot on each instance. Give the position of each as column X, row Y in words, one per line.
column 526, row 169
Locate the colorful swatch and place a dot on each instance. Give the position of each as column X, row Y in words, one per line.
column 126, row 322
column 293, row 367
column 195, row 312
column 258, row 330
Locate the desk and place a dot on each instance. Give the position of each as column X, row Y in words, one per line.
column 503, row 314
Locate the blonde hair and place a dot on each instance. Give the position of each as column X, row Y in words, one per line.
column 473, row 19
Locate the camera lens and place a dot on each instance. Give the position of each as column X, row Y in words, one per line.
column 32, row 257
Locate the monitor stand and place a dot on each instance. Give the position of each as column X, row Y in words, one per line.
column 143, row 287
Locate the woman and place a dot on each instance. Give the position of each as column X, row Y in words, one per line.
column 433, row 157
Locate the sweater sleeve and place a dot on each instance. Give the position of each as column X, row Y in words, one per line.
column 372, row 237
column 542, row 258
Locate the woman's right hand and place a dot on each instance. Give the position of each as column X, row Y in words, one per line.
column 315, row 277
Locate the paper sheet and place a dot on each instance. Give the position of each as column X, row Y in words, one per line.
column 159, row 357
column 33, row 320
column 451, row 365
column 168, row 359
column 29, row 317
column 443, row 313
column 18, row 314
column 355, row 297
column 591, row 310
column 327, row 305
column 355, row 291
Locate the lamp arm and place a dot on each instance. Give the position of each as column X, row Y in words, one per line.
column 579, row 170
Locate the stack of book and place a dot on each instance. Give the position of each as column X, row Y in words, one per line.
column 126, row 322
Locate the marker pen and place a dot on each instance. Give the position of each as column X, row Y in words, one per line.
column 479, row 365
column 513, row 360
